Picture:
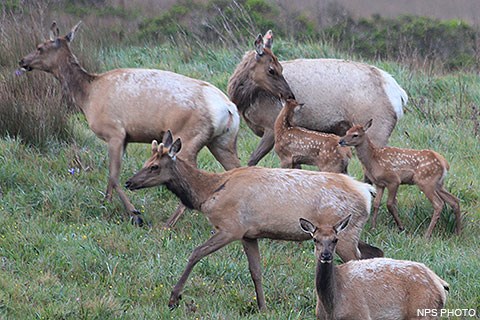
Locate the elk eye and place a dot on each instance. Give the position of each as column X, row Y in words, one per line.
column 335, row 240
column 154, row 167
column 315, row 240
column 271, row 71
column 355, row 135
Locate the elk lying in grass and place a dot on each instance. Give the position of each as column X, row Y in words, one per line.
column 389, row 167
column 336, row 93
column 252, row 202
column 297, row 145
column 138, row 105
column 369, row 289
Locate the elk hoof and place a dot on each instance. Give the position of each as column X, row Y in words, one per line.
column 173, row 302
column 137, row 220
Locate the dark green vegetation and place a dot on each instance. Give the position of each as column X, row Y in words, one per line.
column 66, row 255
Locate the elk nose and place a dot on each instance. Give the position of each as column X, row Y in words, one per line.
column 326, row 257
column 128, row 184
column 342, row 143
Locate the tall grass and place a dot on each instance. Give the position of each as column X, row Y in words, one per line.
column 65, row 254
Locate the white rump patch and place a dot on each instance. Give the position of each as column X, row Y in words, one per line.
column 223, row 112
column 397, row 96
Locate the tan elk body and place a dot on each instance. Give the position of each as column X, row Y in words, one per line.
column 296, row 145
column 138, row 105
column 389, row 167
column 336, row 94
column 253, row 202
column 371, row 289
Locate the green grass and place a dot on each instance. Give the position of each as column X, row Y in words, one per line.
column 65, row 254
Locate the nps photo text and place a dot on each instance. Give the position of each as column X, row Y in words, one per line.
column 446, row 313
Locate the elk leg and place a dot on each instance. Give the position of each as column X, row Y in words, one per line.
column 266, row 144
column 392, row 205
column 175, row 216
column 115, row 151
column 376, row 205
column 437, row 204
column 226, row 154
column 455, row 204
column 216, row 242
column 250, row 246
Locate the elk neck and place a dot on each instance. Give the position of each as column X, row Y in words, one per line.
column 75, row 80
column 193, row 186
column 366, row 152
column 326, row 284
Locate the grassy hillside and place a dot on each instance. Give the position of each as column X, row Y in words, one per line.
column 67, row 255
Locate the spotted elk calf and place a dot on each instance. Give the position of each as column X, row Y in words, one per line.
column 296, row 145
column 389, row 167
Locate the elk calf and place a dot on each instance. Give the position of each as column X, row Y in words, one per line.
column 378, row 288
column 297, row 145
column 388, row 167
column 253, row 202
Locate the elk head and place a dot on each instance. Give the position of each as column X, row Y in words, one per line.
column 267, row 71
column 157, row 169
column 355, row 135
column 50, row 53
column 325, row 237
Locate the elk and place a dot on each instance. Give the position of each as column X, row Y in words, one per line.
column 378, row 288
column 297, row 145
column 138, row 105
column 389, row 167
column 336, row 94
column 250, row 203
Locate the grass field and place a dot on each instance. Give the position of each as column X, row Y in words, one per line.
column 64, row 254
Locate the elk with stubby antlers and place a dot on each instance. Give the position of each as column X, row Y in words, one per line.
column 296, row 145
column 254, row 202
column 376, row 289
column 138, row 105
column 389, row 167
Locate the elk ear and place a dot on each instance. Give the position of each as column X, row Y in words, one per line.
column 307, row 226
column 54, row 31
column 342, row 224
column 268, row 39
column 154, row 147
column 175, row 148
column 259, row 46
column 72, row 32
column 167, row 138
column 367, row 125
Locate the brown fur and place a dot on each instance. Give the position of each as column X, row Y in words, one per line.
column 253, row 202
column 378, row 288
column 138, row 105
column 336, row 93
column 389, row 167
column 296, row 145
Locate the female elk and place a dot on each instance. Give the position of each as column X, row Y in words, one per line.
column 378, row 288
column 252, row 202
column 389, row 167
column 335, row 92
column 296, row 145
column 138, row 105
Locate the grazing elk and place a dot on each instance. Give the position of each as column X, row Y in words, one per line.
column 252, row 202
column 138, row 105
column 296, row 145
column 336, row 93
column 375, row 289
column 389, row 167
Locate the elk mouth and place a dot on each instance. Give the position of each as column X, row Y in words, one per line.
column 24, row 67
column 130, row 185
